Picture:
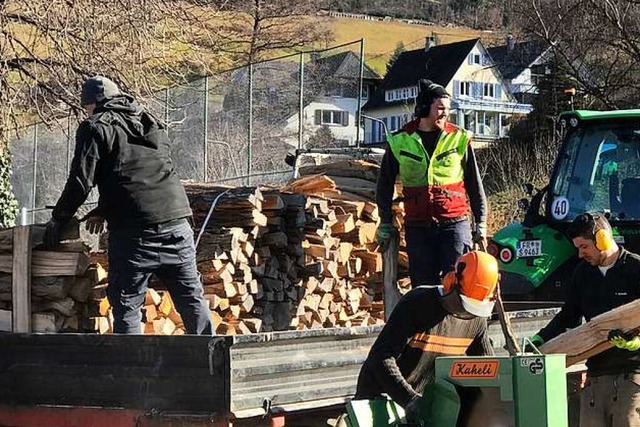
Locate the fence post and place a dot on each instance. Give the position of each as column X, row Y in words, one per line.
column 359, row 107
column 250, row 124
column 301, row 103
column 69, row 149
column 24, row 220
column 206, row 129
column 34, row 185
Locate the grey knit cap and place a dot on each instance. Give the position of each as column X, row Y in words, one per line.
column 97, row 89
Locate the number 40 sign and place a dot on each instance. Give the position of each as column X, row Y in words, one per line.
column 560, row 208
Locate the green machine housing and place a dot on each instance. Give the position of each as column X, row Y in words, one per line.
column 597, row 169
column 518, row 391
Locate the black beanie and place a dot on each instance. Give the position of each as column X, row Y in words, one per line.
column 428, row 91
column 97, row 89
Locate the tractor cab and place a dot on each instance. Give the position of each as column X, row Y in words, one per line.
column 597, row 170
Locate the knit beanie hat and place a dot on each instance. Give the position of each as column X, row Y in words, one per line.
column 97, row 89
column 428, row 91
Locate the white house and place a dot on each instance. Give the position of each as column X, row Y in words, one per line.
column 522, row 64
column 335, row 80
column 481, row 100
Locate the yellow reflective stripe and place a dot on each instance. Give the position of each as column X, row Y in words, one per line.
column 439, row 348
column 438, row 339
column 440, row 344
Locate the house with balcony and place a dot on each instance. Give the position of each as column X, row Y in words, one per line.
column 332, row 88
column 522, row 65
column 482, row 101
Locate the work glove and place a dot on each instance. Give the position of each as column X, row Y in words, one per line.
column 619, row 339
column 412, row 410
column 52, row 233
column 479, row 235
column 94, row 222
column 536, row 341
column 383, row 235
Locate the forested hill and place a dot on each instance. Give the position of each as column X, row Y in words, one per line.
column 480, row 14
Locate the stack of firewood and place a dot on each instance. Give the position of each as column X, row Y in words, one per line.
column 302, row 256
column 297, row 257
column 62, row 291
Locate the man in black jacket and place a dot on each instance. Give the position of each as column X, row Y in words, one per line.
column 607, row 277
column 431, row 321
column 124, row 150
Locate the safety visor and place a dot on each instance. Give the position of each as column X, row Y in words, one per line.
column 477, row 308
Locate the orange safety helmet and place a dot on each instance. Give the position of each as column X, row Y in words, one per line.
column 475, row 278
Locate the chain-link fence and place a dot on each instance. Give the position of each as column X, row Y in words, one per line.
column 234, row 127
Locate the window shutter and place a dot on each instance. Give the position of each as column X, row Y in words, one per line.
column 456, row 89
column 470, row 59
column 498, row 91
column 345, row 118
column 318, row 117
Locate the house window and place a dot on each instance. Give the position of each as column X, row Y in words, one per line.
column 475, row 58
column 332, row 117
column 489, row 90
column 465, row 88
column 365, row 92
column 401, row 94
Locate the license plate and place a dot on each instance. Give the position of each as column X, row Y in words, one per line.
column 529, row 248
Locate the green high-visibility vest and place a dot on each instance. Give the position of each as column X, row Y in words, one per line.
column 418, row 170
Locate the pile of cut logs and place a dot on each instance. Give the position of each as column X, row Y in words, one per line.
column 56, row 289
column 296, row 257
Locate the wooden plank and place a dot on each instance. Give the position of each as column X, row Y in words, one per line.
column 70, row 231
column 21, row 281
column 391, row 294
column 591, row 338
column 49, row 263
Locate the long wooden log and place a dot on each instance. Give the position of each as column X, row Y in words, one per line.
column 351, row 168
column 591, row 338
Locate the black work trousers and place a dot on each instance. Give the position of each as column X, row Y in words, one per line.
column 168, row 251
column 433, row 250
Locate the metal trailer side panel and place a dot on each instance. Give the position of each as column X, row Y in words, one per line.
column 120, row 371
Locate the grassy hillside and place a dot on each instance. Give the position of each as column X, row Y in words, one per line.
column 381, row 37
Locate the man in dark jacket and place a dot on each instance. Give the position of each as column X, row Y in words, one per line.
column 124, row 150
column 442, row 188
column 447, row 320
column 607, row 277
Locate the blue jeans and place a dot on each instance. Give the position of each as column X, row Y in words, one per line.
column 433, row 250
column 168, row 251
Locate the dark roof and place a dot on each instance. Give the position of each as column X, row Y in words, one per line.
column 512, row 63
column 345, row 65
column 438, row 64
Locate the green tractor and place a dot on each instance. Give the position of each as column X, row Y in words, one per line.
column 598, row 170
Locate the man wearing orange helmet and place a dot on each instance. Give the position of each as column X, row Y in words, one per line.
column 431, row 321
